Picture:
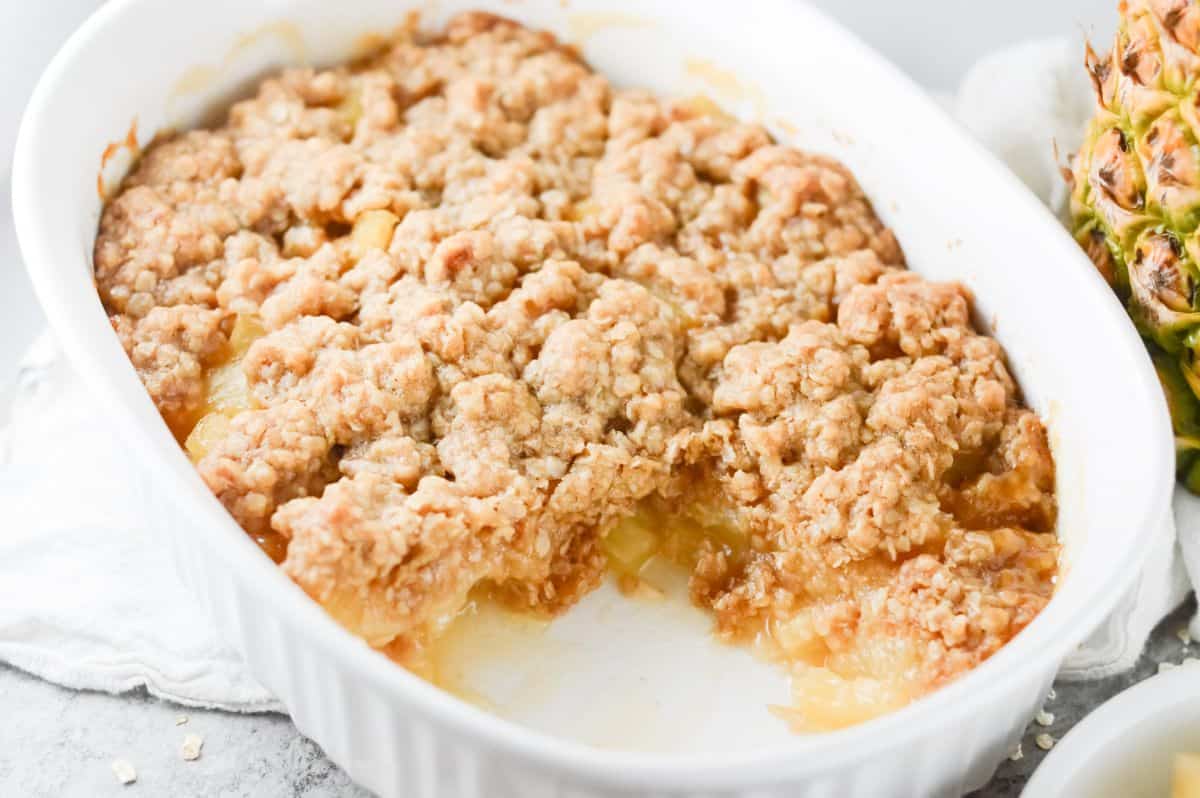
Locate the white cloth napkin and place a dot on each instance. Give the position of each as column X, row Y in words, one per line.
column 88, row 599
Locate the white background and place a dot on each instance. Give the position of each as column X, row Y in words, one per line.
column 934, row 40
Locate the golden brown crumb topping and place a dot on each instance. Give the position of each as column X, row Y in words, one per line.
column 445, row 318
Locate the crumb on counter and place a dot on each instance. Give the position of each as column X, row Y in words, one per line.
column 124, row 771
column 190, row 749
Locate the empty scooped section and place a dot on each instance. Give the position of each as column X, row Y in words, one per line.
column 619, row 671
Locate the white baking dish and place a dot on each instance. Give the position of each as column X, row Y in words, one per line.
column 958, row 214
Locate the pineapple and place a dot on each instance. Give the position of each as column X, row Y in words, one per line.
column 1185, row 777
column 1135, row 198
column 226, row 393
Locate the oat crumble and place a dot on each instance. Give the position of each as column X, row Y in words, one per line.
column 454, row 316
column 191, row 746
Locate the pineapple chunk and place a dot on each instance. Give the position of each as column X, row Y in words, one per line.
column 825, row 701
column 582, row 210
column 703, row 105
column 303, row 240
column 365, row 616
column 799, row 640
column 1185, row 778
column 228, row 392
column 687, row 536
column 247, row 329
column 840, row 686
column 630, row 545
column 679, row 538
column 208, row 432
column 350, row 108
column 372, row 230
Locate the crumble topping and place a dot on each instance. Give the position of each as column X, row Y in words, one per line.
column 450, row 317
column 191, row 747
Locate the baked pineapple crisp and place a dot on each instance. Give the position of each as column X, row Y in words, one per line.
column 464, row 317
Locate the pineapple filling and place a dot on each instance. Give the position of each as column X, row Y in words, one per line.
column 433, row 325
column 834, row 689
column 649, row 555
column 831, row 689
column 225, row 391
column 681, row 537
column 226, row 394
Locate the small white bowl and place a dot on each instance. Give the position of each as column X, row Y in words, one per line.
column 957, row 212
column 1126, row 747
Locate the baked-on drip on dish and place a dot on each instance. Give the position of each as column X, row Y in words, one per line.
column 464, row 317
